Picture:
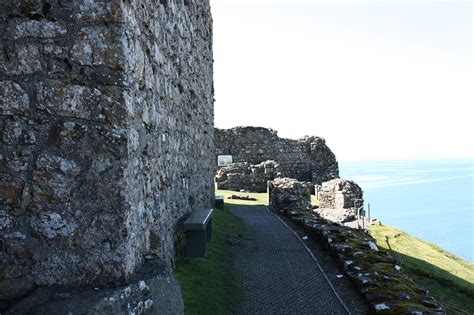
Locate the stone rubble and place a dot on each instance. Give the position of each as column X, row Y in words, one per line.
column 286, row 194
column 253, row 178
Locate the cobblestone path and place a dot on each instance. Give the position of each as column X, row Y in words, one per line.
column 279, row 275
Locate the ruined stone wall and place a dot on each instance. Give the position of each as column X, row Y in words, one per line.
column 247, row 176
column 340, row 194
column 286, row 194
column 106, row 119
column 307, row 159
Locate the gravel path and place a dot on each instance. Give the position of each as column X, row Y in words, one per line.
column 280, row 276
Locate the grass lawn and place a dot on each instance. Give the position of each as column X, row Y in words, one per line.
column 210, row 285
column 314, row 200
column 449, row 279
column 262, row 198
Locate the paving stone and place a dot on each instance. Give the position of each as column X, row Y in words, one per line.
column 279, row 276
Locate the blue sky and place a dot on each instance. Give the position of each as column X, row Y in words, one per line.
column 376, row 79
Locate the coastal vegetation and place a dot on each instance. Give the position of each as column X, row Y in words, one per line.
column 449, row 278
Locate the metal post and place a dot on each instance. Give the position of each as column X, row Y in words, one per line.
column 358, row 217
column 368, row 205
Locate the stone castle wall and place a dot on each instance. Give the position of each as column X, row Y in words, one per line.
column 307, row 159
column 247, row 176
column 106, row 119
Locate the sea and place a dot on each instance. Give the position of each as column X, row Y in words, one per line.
column 432, row 200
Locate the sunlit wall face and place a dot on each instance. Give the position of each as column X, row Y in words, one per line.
column 377, row 79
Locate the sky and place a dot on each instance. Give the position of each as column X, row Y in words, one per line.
column 376, row 79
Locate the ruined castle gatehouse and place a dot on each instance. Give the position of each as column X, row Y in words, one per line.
column 306, row 159
column 106, row 119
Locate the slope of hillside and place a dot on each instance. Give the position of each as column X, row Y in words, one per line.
column 448, row 278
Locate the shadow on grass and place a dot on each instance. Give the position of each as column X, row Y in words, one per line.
column 454, row 293
column 211, row 285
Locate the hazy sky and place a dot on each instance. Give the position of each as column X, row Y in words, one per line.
column 376, row 79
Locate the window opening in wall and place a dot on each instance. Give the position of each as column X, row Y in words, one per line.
column 224, row 160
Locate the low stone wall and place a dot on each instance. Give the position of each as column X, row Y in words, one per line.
column 285, row 194
column 378, row 277
column 340, row 194
column 246, row 176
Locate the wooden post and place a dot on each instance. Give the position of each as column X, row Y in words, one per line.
column 358, row 219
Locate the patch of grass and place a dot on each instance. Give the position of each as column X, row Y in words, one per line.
column 211, row 285
column 314, row 200
column 262, row 198
column 449, row 278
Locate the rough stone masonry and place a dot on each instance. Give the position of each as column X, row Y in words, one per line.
column 238, row 176
column 340, row 194
column 306, row 159
column 339, row 200
column 106, row 119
